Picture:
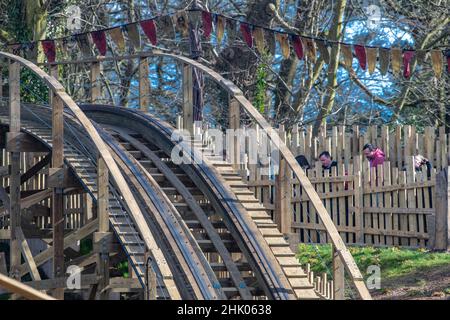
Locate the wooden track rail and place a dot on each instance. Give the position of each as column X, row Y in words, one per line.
column 114, row 170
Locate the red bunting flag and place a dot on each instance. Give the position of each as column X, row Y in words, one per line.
column 99, row 39
column 49, row 50
column 360, row 53
column 407, row 57
column 207, row 23
column 246, row 34
column 298, row 46
column 149, row 28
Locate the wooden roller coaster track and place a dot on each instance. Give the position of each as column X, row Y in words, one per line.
column 197, row 228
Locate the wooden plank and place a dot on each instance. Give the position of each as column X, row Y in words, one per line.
column 95, row 81
column 69, row 240
column 26, row 252
column 14, row 180
column 144, row 84
column 103, row 226
column 188, row 98
column 21, row 289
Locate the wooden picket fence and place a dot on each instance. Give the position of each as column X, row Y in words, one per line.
column 385, row 206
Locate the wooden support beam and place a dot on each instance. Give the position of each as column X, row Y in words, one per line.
column 103, row 237
column 26, row 252
column 14, row 203
column 3, row 269
column 23, row 142
column 33, row 170
column 21, row 289
column 234, row 116
column 69, row 240
column 283, row 189
column 95, row 82
column 58, row 191
column 26, row 202
column 338, row 276
column 62, row 178
column 188, row 99
column 144, row 84
column 440, row 234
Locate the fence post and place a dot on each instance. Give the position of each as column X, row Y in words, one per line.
column 283, row 191
column 188, row 99
column 338, row 276
column 442, row 219
column 14, row 130
column 358, row 194
column 102, row 238
column 144, row 84
column 234, row 114
column 95, row 81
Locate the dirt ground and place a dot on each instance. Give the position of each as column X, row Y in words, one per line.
column 431, row 284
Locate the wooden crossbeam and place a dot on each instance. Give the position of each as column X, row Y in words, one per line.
column 33, row 170
column 69, row 240
column 26, row 253
column 27, row 202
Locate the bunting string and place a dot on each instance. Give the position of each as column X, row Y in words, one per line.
column 262, row 38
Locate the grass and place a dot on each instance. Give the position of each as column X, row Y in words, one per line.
column 393, row 262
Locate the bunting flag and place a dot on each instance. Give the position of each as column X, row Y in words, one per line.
column 385, row 57
column 298, row 46
column 283, row 40
column 360, row 53
column 165, row 24
column 396, row 60
column 150, row 30
column 207, row 23
column 371, row 59
column 246, row 34
column 323, row 49
column 99, row 39
column 407, row 57
column 258, row 36
column 310, row 47
column 270, row 42
column 421, row 56
column 232, row 32
column 181, row 21
column 348, row 57
column 436, row 61
column 49, row 50
column 220, row 28
column 133, row 35
column 84, row 45
column 117, row 37
column 263, row 38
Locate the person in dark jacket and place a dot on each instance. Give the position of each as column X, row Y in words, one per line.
column 327, row 161
column 303, row 162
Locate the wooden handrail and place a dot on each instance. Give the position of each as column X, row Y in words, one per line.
column 114, row 170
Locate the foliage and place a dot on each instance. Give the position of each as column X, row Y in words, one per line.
column 393, row 262
column 32, row 89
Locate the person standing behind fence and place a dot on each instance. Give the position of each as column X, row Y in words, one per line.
column 420, row 163
column 327, row 161
column 375, row 155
